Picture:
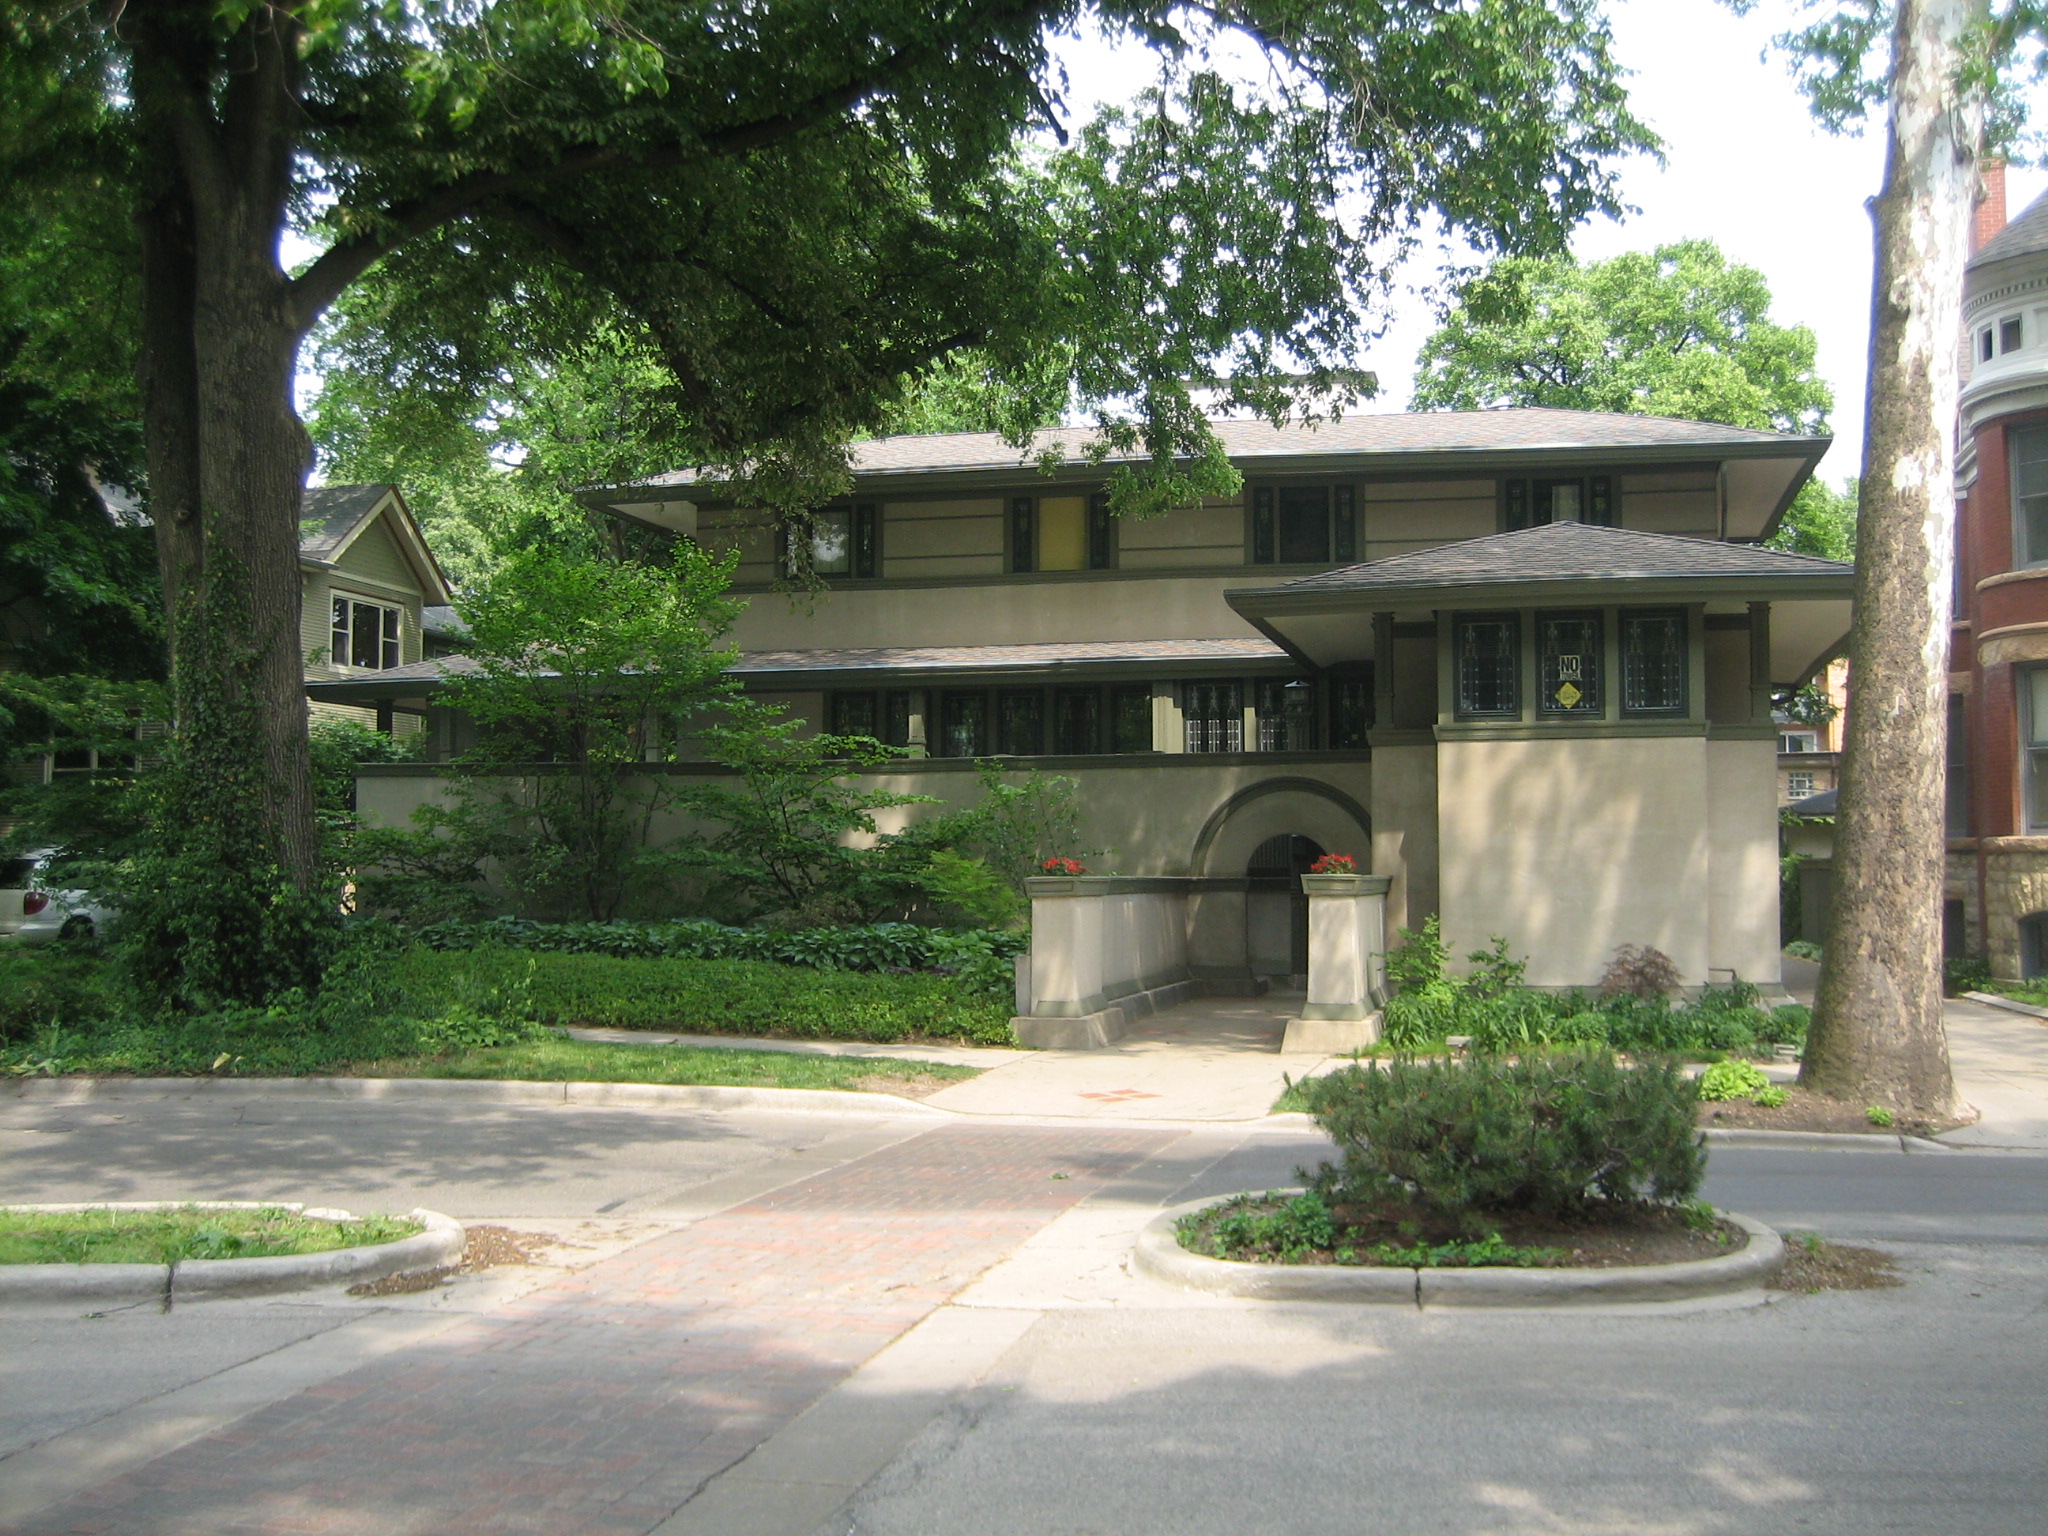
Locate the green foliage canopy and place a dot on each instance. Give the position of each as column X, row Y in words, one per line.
column 1679, row 331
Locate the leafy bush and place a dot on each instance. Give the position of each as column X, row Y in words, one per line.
column 727, row 997
column 1639, row 972
column 50, row 988
column 1545, row 1135
column 1772, row 1097
column 1288, row 1231
column 1803, row 949
column 1965, row 973
column 1732, row 1080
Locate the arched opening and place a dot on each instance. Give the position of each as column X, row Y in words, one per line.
column 1275, row 910
column 2034, row 946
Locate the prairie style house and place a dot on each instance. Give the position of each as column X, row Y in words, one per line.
column 1519, row 662
column 367, row 576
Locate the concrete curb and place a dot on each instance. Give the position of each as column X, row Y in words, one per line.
column 1829, row 1141
column 89, row 1090
column 1158, row 1255
column 27, row 1284
column 2009, row 1004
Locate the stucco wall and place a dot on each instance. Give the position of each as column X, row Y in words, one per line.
column 1569, row 847
column 1743, row 860
column 1404, row 831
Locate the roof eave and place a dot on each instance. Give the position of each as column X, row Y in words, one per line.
column 1253, row 602
column 1398, row 461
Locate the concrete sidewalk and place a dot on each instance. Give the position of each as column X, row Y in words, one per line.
column 1215, row 1058
column 2000, row 1061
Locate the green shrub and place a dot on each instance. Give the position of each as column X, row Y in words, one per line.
column 1803, row 949
column 1787, row 1026
column 1732, row 1080
column 1587, row 1028
column 726, row 997
column 50, row 986
column 1771, row 1097
column 1545, row 1135
column 1965, row 973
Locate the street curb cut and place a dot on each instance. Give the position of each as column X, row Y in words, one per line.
column 440, row 1243
column 1158, row 1255
column 88, row 1090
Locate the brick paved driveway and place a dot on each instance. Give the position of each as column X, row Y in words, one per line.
column 602, row 1403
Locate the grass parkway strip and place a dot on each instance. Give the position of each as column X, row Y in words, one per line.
column 604, row 1402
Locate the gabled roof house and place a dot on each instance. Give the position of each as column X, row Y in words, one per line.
column 367, row 575
column 1519, row 662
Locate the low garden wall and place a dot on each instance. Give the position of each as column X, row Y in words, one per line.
column 1105, row 949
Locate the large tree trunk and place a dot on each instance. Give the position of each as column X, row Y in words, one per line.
column 1877, row 1032
column 227, row 454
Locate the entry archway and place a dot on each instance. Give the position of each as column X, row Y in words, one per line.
column 1275, row 910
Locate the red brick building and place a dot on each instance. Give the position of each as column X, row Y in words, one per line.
column 1997, row 895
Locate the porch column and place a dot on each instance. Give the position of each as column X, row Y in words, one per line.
column 1347, row 964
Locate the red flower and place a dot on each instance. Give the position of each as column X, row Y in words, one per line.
column 1334, row 864
column 1064, row 867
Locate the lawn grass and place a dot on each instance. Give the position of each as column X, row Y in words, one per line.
column 589, row 1061
column 185, row 1232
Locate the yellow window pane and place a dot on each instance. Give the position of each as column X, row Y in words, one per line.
column 1063, row 533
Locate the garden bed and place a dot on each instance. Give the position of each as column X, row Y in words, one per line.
column 1282, row 1228
column 1801, row 1111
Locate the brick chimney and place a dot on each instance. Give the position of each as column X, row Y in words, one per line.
column 1990, row 218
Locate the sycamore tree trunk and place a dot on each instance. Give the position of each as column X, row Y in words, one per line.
column 1877, row 1032
column 227, row 462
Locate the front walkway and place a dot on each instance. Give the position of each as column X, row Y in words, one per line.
column 1215, row 1058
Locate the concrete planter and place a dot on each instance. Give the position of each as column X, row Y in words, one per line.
column 23, row 1284
column 1158, row 1255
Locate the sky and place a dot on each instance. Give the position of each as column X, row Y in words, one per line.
column 1746, row 166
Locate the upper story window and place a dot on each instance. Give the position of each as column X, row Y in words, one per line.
column 1351, row 710
column 1985, row 349
column 1061, row 533
column 1570, row 647
column 1489, row 665
column 1304, row 525
column 2030, row 495
column 1576, row 499
column 365, row 634
column 2010, row 334
column 1799, row 741
column 844, row 541
column 1653, row 661
column 1798, row 784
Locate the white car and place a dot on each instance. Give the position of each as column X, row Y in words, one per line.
column 30, row 913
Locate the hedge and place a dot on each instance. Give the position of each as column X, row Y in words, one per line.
column 721, row 997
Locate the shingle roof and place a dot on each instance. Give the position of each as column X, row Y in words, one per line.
column 330, row 513
column 1822, row 804
column 1518, row 429
column 1564, row 552
column 2024, row 236
column 442, row 619
column 969, row 658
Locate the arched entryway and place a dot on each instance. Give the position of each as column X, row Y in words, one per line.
column 1275, row 910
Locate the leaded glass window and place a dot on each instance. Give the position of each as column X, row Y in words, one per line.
column 2030, row 494
column 1351, row 707
column 963, row 724
column 1653, row 661
column 1130, row 718
column 1489, row 654
column 1287, row 715
column 365, row 634
column 855, row 714
column 1076, row 721
column 1020, row 723
column 1214, row 717
column 1569, row 644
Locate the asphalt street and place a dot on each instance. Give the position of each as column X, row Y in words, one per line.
column 1100, row 1402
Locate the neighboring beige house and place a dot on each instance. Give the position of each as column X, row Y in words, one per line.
column 1520, row 662
column 1810, row 756
column 367, row 575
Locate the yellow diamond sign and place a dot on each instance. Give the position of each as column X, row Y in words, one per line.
column 1568, row 696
